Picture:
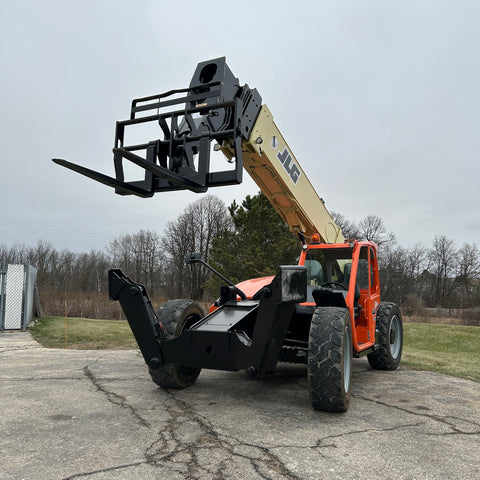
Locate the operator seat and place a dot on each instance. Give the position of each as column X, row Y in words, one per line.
column 315, row 271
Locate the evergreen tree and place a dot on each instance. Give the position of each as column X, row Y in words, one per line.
column 259, row 242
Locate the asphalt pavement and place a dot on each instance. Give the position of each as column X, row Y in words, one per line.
column 95, row 414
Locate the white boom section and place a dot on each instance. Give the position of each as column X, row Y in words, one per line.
column 274, row 168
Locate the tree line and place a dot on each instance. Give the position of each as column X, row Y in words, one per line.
column 157, row 261
column 440, row 276
column 250, row 240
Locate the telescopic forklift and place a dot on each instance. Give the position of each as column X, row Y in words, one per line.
column 322, row 312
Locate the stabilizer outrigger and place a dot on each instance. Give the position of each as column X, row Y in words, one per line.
column 238, row 335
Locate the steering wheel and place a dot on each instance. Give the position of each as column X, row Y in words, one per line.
column 334, row 284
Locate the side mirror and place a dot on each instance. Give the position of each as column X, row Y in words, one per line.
column 196, row 257
column 193, row 257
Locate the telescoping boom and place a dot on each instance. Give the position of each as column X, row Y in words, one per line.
column 215, row 111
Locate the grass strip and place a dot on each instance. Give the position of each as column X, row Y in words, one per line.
column 450, row 349
column 83, row 334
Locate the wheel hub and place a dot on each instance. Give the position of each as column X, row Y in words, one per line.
column 395, row 337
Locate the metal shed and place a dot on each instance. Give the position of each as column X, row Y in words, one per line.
column 17, row 284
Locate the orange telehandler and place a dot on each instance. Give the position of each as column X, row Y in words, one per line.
column 322, row 312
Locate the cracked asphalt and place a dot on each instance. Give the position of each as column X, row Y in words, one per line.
column 73, row 414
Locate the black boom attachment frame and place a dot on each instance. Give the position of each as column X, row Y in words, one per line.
column 214, row 108
column 236, row 336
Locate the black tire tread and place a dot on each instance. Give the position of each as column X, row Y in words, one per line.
column 381, row 358
column 325, row 359
column 172, row 375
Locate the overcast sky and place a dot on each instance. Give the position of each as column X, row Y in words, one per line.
column 379, row 101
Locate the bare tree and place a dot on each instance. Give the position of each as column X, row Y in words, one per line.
column 373, row 229
column 393, row 266
column 399, row 271
column 91, row 271
column 140, row 255
column 416, row 262
column 468, row 273
column 193, row 231
column 442, row 258
column 369, row 228
column 349, row 229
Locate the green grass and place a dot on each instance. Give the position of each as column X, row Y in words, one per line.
column 83, row 333
column 450, row 349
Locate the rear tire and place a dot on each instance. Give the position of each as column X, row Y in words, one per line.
column 390, row 338
column 330, row 359
column 176, row 316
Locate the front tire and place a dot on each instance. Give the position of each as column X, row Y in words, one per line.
column 330, row 359
column 389, row 338
column 176, row 316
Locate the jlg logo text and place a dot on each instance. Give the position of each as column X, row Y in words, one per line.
column 289, row 165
